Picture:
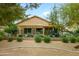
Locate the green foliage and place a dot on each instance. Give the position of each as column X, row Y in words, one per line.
column 32, row 5
column 1, row 38
column 69, row 38
column 73, row 39
column 11, row 28
column 77, row 31
column 47, row 39
column 19, row 39
column 1, row 35
column 20, row 35
column 65, row 39
column 77, row 39
column 10, row 39
column 38, row 38
column 70, row 13
column 54, row 15
column 9, row 12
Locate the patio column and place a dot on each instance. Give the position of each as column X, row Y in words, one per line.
column 43, row 31
column 22, row 30
column 33, row 31
column 19, row 32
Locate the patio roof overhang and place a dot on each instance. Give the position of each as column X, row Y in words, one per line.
column 35, row 22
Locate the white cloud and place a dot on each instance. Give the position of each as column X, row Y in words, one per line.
column 46, row 13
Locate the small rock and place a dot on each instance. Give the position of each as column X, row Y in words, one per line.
column 76, row 47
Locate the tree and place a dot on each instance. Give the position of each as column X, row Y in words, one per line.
column 53, row 16
column 70, row 14
column 9, row 12
column 11, row 29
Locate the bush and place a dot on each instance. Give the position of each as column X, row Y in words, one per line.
column 10, row 39
column 11, row 29
column 1, row 36
column 19, row 39
column 47, row 39
column 73, row 39
column 77, row 31
column 38, row 38
column 65, row 39
column 20, row 35
column 77, row 39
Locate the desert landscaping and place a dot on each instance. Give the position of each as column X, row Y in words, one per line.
column 30, row 48
column 39, row 29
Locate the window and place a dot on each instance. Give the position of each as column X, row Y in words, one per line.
column 39, row 30
column 27, row 30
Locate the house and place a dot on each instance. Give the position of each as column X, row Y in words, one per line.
column 34, row 25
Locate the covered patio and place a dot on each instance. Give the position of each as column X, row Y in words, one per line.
column 34, row 30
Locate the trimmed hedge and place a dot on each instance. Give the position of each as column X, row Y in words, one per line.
column 1, row 35
column 77, row 39
column 10, row 39
column 73, row 39
column 65, row 39
column 38, row 38
column 19, row 39
column 1, row 38
column 69, row 38
column 47, row 39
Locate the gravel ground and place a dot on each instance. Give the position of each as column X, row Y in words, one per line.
column 30, row 48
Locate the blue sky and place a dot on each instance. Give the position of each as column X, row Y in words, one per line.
column 42, row 11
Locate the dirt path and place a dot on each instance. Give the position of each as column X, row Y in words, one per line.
column 29, row 47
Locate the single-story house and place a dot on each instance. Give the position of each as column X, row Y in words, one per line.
column 33, row 25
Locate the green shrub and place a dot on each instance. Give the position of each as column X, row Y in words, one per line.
column 47, row 39
column 20, row 35
column 77, row 31
column 73, row 39
column 10, row 39
column 11, row 29
column 1, row 35
column 65, row 39
column 1, row 38
column 38, row 38
column 77, row 39
column 19, row 39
